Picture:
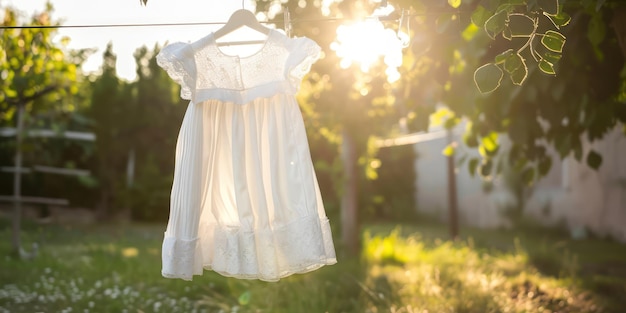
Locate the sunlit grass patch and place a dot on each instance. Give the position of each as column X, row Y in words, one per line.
column 130, row 252
column 455, row 276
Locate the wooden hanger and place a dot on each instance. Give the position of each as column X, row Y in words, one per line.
column 239, row 19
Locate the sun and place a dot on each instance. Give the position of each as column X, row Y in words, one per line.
column 365, row 43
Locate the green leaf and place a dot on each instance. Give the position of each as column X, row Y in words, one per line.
column 508, row 6
column 496, row 24
column 470, row 31
column 521, row 25
column 594, row 159
column 547, row 67
column 563, row 144
column 516, row 67
column 488, row 77
column 10, row 93
column 472, row 165
column 454, row 3
column 451, row 122
column 596, row 31
column 578, row 152
column 553, row 41
column 449, row 150
column 544, row 165
column 244, row 298
column 441, row 116
column 469, row 138
column 480, row 16
column 513, row 62
column 490, row 142
column 559, row 20
column 485, row 168
column 549, row 7
column 551, row 57
column 501, row 58
column 519, row 76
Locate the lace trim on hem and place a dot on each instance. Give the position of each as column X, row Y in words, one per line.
column 301, row 246
column 307, row 269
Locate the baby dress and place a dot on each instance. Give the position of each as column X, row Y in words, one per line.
column 245, row 200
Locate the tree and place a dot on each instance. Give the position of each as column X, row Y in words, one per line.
column 570, row 90
column 36, row 73
column 111, row 103
column 136, row 124
column 157, row 112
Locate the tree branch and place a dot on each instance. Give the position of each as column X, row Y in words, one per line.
column 40, row 93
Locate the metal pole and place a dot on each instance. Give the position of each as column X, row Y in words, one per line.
column 453, row 205
column 17, row 182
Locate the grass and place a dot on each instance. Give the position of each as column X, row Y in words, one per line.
column 116, row 268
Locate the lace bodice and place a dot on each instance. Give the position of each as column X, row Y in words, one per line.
column 205, row 72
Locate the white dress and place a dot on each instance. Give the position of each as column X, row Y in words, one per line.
column 245, row 200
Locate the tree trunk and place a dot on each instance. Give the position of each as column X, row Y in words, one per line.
column 17, row 184
column 349, row 216
column 453, row 207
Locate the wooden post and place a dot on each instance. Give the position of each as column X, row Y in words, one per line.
column 453, row 206
column 349, row 216
column 17, row 183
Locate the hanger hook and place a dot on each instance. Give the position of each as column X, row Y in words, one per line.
column 243, row 4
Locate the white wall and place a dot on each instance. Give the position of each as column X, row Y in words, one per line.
column 475, row 206
column 572, row 192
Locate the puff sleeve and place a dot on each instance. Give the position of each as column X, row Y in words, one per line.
column 303, row 53
column 177, row 59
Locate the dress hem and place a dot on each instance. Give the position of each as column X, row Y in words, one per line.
column 208, row 267
column 300, row 246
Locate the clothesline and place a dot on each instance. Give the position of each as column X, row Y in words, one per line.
column 293, row 21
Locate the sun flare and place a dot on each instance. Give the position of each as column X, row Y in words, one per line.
column 365, row 43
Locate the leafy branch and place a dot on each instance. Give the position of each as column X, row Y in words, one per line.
column 521, row 19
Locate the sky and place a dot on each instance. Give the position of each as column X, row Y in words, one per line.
column 127, row 39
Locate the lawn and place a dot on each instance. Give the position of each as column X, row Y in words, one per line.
column 408, row 268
